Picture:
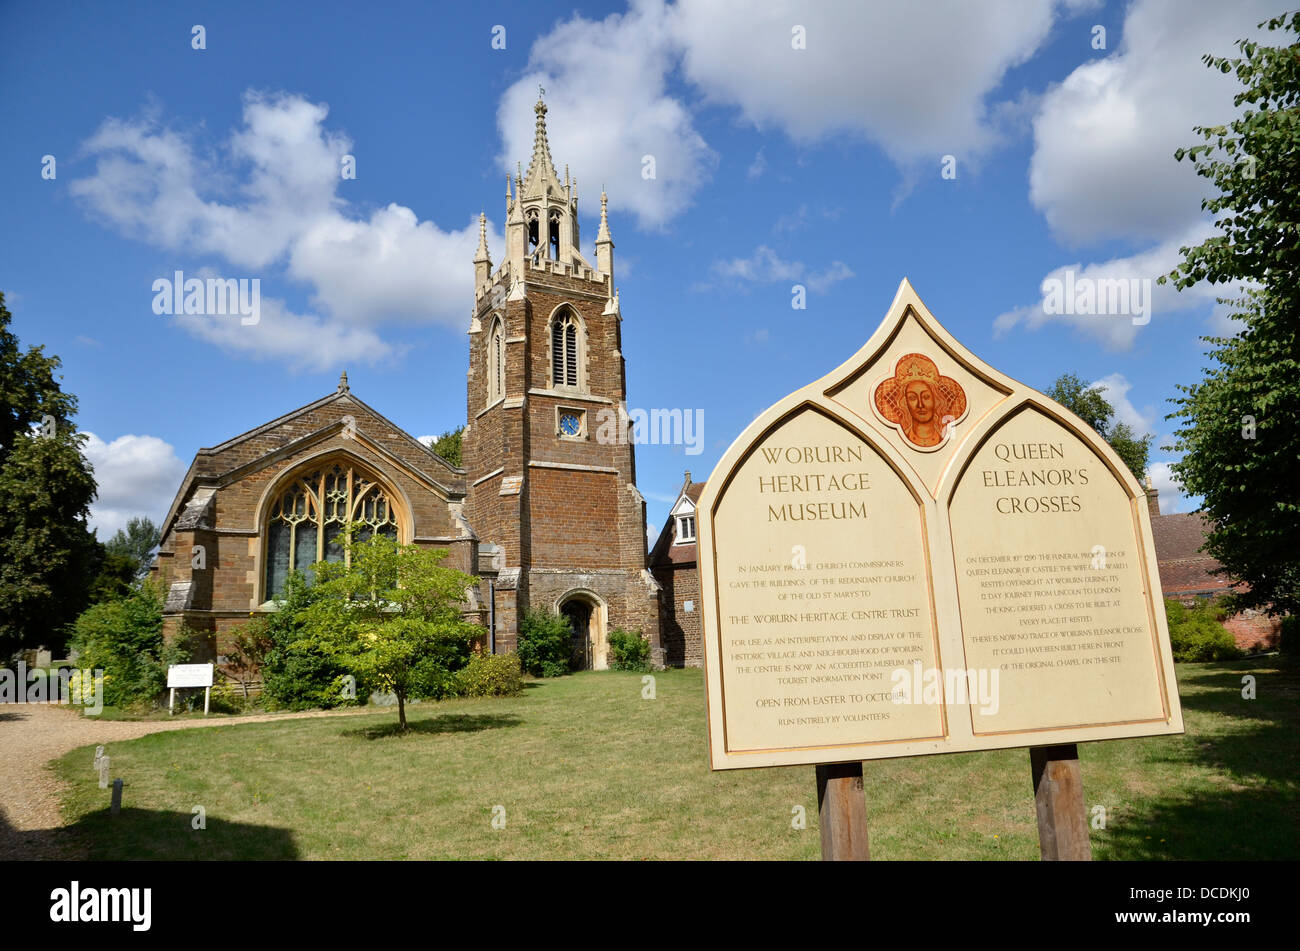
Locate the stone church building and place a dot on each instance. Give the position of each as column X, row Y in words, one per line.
column 542, row 511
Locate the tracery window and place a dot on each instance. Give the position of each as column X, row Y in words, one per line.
column 565, row 350
column 305, row 522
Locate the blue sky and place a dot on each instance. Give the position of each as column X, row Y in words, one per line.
column 774, row 166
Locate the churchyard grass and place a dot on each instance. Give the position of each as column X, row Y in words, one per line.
column 585, row 768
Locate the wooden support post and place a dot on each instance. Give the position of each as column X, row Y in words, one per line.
column 1058, row 799
column 171, row 702
column 207, row 695
column 117, row 797
column 842, row 811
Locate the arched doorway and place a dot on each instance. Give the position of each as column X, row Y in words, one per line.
column 586, row 616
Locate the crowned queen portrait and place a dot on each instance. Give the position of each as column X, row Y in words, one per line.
column 920, row 401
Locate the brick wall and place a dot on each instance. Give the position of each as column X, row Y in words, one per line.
column 683, row 632
column 1253, row 630
column 573, row 524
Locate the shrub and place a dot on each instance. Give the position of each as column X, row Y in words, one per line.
column 491, row 675
column 545, row 644
column 1197, row 634
column 628, row 650
column 124, row 639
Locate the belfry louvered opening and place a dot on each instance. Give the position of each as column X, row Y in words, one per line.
column 564, row 351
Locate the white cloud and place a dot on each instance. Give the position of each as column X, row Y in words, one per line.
column 136, row 476
column 611, row 105
column 1171, row 493
column 922, row 97
column 296, row 341
column 1115, row 388
column 268, row 200
column 1118, row 332
column 765, row 266
column 389, row 265
column 606, row 91
column 1104, row 138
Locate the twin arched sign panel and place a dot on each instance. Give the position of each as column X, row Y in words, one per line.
column 917, row 554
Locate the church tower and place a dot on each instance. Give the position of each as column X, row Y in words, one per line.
column 547, row 446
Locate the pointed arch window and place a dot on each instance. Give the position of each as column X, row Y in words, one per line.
column 566, row 350
column 534, row 232
column 305, row 522
column 554, row 234
column 496, row 362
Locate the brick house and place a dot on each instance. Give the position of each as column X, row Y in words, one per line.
column 673, row 563
column 544, row 509
column 1187, row 573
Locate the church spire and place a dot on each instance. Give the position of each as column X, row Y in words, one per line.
column 541, row 169
column 605, row 247
column 482, row 260
column 603, row 234
column 481, row 252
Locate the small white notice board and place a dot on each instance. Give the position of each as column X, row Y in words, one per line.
column 190, row 675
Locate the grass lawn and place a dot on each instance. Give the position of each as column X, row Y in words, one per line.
column 585, row 768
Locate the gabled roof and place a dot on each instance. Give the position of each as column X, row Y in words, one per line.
column 199, row 473
column 664, row 551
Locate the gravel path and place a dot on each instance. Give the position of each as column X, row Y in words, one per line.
column 33, row 734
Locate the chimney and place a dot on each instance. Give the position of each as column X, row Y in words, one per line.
column 1153, row 499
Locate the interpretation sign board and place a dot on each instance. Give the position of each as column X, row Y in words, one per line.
column 918, row 554
column 189, row 675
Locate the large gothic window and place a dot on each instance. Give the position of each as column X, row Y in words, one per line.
column 566, row 349
column 496, row 363
column 305, row 522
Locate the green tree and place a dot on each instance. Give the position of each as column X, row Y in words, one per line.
column 124, row 638
column 137, row 541
column 28, row 391
column 116, row 578
column 393, row 617
column 1237, row 434
column 545, row 643
column 48, row 556
column 1090, row 404
column 296, row 673
column 448, row 445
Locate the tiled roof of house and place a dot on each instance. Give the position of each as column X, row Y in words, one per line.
column 1184, row 569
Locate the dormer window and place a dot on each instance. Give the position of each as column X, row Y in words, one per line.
column 683, row 516
column 685, row 529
